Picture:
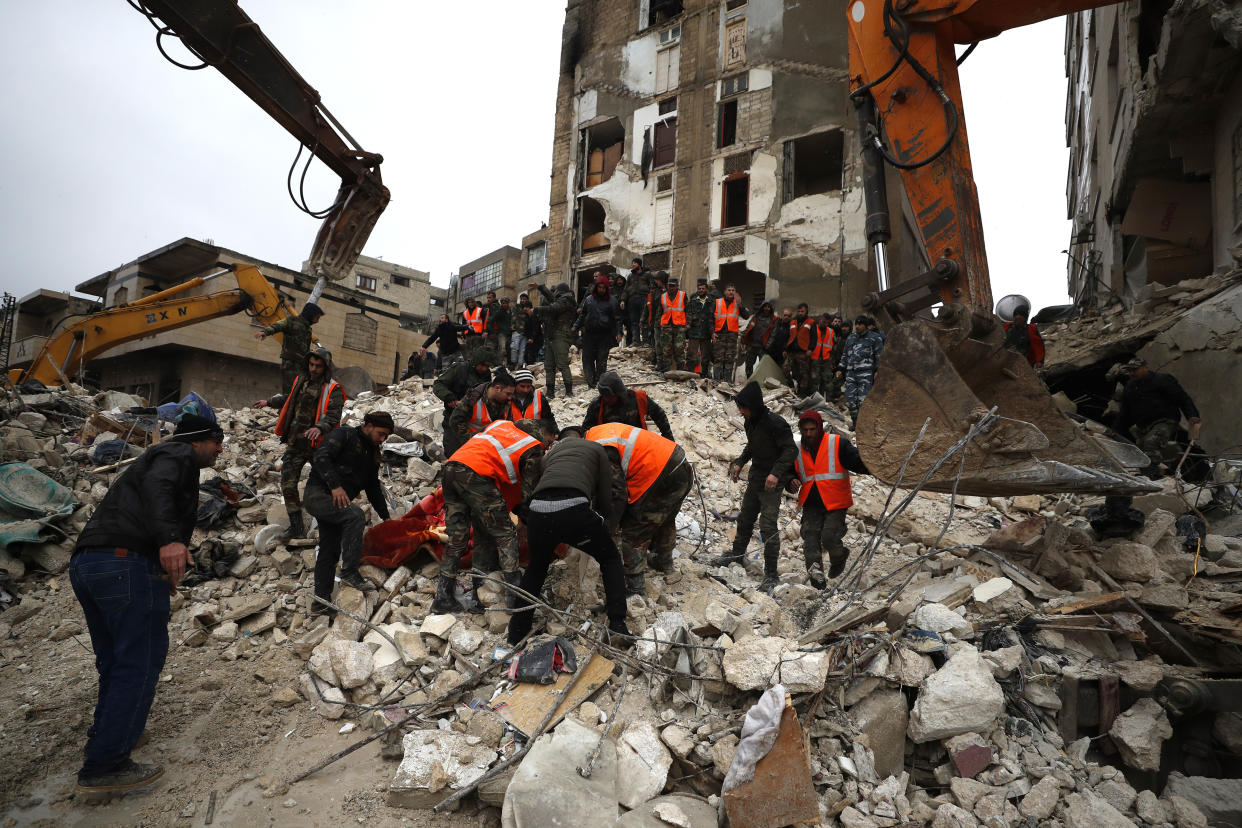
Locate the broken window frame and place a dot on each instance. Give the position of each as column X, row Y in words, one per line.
column 726, row 123
column 536, row 258
column 790, row 188
column 400, row 281
column 730, row 182
column 586, row 204
column 667, row 127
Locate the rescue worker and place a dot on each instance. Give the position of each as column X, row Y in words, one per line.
column 1152, row 405
column 479, row 408
column 672, row 310
column 699, row 331
column 758, row 334
column 657, row 480
column 841, row 334
column 474, row 318
column 821, row 355
column 658, row 285
column 499, row 327
column 518, row 339
column 528, row 402
column 453, row 384
column 798, row 350
column 296, row 343
column 493, row 474
column 128, row 559
column 446, row 334
column 858, row 363
column 1023, row 337
column 346, row 463
column 557, row 316
column 573, row 504
column 727, row 314
column 309, row 411
column 823, row 485
column 599, row 320
column 771, row 452
column 634, row 302
column 618, row 404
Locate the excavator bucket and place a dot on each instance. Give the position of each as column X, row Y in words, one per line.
column 953, row 371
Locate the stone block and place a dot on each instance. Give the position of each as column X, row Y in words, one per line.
column 1087, row 810
column 951, row 816
column 436, row 764
column 547, row 789
column 1131, row 562
column 243, row 566
column 643, row 762
column 1220, row 800
column 938, row 618
column 961, row 697
column 1139, row 734
column 352, row 663
column 1042, row 799
column 883, row 717
column 678, row 739
column 751, row 664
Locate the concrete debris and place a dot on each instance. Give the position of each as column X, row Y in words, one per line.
column 643, row 762
column 961, row 697
column 1218, row 801
column 1140, row 733
column 436, row 764
column 548, row 790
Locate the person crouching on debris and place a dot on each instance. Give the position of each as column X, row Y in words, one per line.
column 128, row 560
column 618, row 404
column 770, row 451
column 1152, row 404
column 573, row 504
column 528, row 401
column 657, row 480
column 491, row 475
column 310, row 410
column 479, row 408
column 345, row 464
column 823, row 485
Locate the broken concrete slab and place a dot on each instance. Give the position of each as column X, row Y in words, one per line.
column 951, row 816
column 750, row 664
column 938, row 618
column 547, row 789
column 678, row 810
column 1128, row 561
column 643, row 762
column 352, row 663
column 960, row 698
column 1140, row 732
column 1220, row 800
column 437, row 763
column 1042, row 799
column 882, row 717
column 1087, row 810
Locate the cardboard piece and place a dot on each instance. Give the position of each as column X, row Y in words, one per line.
column 525, row 705
column 781, row 791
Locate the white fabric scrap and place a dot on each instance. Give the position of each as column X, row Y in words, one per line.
column 759, row 731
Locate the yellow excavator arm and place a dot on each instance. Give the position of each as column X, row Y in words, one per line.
column 63, row 355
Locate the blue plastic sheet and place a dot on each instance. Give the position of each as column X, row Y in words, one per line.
column 30, row 503
column 192, row 404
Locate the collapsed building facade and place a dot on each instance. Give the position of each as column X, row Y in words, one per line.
column 713, row 139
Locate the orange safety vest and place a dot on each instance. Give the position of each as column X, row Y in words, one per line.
column 321, row 407
column 480, row 417
column 643, row 454
column 674, row 313
column 726, row 316
column 474, row 319
column 823, row 344
column 534, row 411
column 830, row 478
column 641, row 398
column 495, row 453
column 800, row 333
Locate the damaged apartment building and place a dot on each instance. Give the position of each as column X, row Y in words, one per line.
column 713, row 139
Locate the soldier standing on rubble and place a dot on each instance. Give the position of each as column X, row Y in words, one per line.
column 474, row 320
column 656, row 480
column 699, row 331
column 493, row 474
column 798, row 350
column 557, row 316
column 573, row 503
column 310, row 410
column 1152, row 404
column 659, row 284
column 770, row 451
column 347, row 463
column 758, row 334
column 822, row 356
column 672, row 323
column 479, row 408
column 634, row 302
column 296, row 343
column 618, row 404
column 499, row 327
column 823, row 486
column 727, row 313
column 127, row 562
column 858, row 363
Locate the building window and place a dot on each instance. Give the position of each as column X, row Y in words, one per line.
column 735, row 85
column 735, row 43
column 730, row 5
column 536, row 258
column 735, row 200
column 663, row 219
column 665, row 151
column 813, row 164
column 365, row 282
column 592, row 219
column 400, row 281
column 360, row 331
column 488, row 277
column 602, row 145
column 659, row 11
column 664, row 182
column 726, row 124
column 670, row 35
column 668, row 69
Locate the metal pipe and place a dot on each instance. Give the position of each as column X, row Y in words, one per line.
column 881, row 264
column 169, row 293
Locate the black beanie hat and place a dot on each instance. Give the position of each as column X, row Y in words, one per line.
column 191, row 428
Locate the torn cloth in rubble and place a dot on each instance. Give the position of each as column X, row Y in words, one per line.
column 212, row 561
column 759, row 732
column 540, row 662
column 31, row 503
column 218, row 500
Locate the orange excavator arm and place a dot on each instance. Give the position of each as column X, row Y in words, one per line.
column 63, row 354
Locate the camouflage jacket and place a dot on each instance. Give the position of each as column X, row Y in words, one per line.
column 699, row 313
column 861, row 353
column 297, row 341
column 557, row 314
column 453, row 383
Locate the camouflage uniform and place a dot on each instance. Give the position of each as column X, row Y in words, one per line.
column 672, row 337
column 699, row 333
column 557, row 315
column 472, row 500
column 298, row 450
column 1154, row 439
column 294, row 347
column 457, row 426
column 823, row 369
column 797, row 360
column 860, row 355
column 651, row 521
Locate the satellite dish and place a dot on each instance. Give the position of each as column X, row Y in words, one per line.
column 1006, row 306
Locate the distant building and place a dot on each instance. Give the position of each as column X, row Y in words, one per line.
column 39, row 315
column 411, row 289
column 499, row 270
column 1154, row 125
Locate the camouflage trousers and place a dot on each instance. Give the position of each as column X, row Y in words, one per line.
column 472, row 501
column 556, row 358
column 823, row 530
column 289, row 370
column 298, row 453
column 651, row 521
column 1154, row 439
column 724, row 351
column 857, row 384
column 823, row 378
column 469, row 344
column 699, row 355
column 673, row 346
column 798, row 369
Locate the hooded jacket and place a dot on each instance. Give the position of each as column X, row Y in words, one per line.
column 600, row 316
column 327, row 411
column 770, row 447
column 627, row 409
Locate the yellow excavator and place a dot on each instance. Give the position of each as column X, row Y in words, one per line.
column 950, row 371
column 220, row 34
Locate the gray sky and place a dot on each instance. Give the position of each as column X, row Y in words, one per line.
column 110, row 151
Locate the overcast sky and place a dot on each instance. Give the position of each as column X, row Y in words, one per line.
column 111, row 152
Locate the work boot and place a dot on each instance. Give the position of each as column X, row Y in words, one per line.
column 815, row 576
column 837, row 566
column 769, row 584
column 634, row 585
column 318, row 610
column 354, row 578
column 771, row 554
column 127, row 777
column 446, row 600
column 662, row 561
column 476, row 605
column 512, row 599
column 297, row 526
column 733, row 557
column 519, row 625
column 619, row 635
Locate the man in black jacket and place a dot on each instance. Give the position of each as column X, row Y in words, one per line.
column 599, row 320
column 573, row 504
column 345, row 464
column 618, row 404
column 770, row 451
column 1153, row 404
column 446, row 334
column 128, row 560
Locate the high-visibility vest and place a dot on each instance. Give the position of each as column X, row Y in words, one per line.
column 474, row 319
column 495, row 453
column 826, row 473
column 726, row 316
column 641, row 398
column 800, row 333
column 643, row 454
column 674, row 312
column 321, row 408
column 823, row 344
column 480, row 417
column 534, row 411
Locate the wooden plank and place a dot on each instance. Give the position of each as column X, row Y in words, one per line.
column 850, row 618
column 1094, row 601
column 525, row 704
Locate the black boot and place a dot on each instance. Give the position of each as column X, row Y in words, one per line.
column 446, row 599
column 815, row 576
column 619, row 634
column 634, row 585
column 519, row 625
column 354, row 578
column 297, row 526
column 662, row 561
column 735, row 556
column 770, row 577
column 476, row 603
column 837, row 563
column 511, row 597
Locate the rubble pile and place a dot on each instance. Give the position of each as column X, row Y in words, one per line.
column 987, row 661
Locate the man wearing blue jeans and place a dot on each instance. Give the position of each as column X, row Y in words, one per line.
column 128, row 560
